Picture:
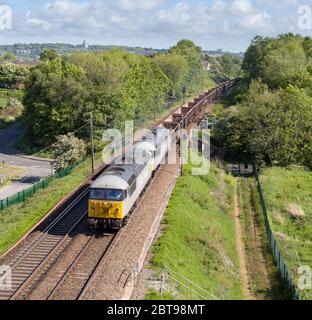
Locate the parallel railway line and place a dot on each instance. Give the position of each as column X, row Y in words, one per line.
column 74, row 281
column 53, row 237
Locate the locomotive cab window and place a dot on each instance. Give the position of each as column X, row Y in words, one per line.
column 107, row 194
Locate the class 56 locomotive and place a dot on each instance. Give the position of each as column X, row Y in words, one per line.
column 115, row 194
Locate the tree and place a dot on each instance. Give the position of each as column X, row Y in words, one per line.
column 48, row 55
column 11, row 73
column 55, row 97
column 175, row 67
column 9, row 56
column 270, row 126
column 231, row 66
column 68, row 150
column 192, row 53
column 279, row 62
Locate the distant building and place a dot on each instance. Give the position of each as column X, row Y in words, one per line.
column 85, row 45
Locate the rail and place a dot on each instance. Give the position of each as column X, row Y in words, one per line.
column 43, row 246
column 52, row 244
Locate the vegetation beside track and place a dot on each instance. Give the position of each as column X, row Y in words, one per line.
column 17, row 220
column 199, row 237
column 21, row 218
column 264, row 278
column 288, row 195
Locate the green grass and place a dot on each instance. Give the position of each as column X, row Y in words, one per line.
column 15, row 221
column 249, row 201
column 282, row 187
column 199, row 237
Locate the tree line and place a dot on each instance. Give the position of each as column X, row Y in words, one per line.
column 61, row 91
column 272, row 121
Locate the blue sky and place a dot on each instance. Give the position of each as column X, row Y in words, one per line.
column 227, row 24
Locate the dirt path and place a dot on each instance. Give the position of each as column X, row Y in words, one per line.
column 263, row 278
column 240, row 246
column 258, row 245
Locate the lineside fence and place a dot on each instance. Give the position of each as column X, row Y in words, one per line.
column 42, row 184
column 171, row 280
column 278, row 257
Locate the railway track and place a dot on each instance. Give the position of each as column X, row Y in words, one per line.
column 76, row 277
column 52, row 238
column 80, row 272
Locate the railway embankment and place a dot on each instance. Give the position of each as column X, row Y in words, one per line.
column 197, row 241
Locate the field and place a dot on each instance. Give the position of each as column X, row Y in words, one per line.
column 288, row 195
column 17, row 220
column 199, row 238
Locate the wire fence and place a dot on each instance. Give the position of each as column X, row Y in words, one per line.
column 278, row 257
column 23, row 195
column 175, row 284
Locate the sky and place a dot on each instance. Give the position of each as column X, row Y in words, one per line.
column 212, row 24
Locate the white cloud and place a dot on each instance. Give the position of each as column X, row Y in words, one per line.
column 154, row 22
column 242, row 6
column 130, row 5
column 39, row 24
column 255, row 22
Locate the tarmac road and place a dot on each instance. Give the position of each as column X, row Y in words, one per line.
column 34, row 168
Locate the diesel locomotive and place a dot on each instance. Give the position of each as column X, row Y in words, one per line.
column 114, row 194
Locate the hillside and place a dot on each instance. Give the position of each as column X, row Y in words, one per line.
column 199, row 241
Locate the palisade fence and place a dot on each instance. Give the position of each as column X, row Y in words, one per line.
column 42, row 184
column 279, row 260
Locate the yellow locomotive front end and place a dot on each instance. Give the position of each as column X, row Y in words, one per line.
column 106, row 208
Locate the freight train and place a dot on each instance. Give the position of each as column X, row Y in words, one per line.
column 116, row 192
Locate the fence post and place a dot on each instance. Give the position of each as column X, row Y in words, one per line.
column 162, row 278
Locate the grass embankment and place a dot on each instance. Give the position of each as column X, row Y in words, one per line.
column 264, row 278
column 288, row 196
column 199, row 237
column 16, row 220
